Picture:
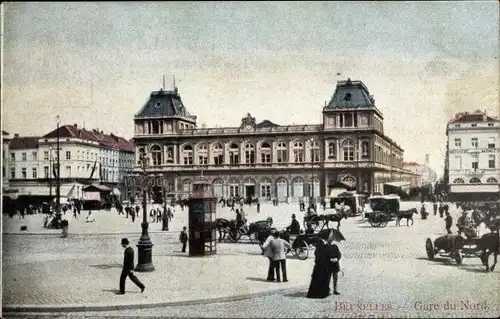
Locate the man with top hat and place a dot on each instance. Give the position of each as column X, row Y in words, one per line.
column 128, row 268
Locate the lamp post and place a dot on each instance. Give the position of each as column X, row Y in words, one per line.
column 164, row 184
column 145, row 246
column 58, row 178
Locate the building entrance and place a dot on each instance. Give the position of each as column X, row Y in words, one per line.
column 249, row 191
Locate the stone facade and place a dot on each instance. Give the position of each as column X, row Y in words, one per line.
column 269, row 160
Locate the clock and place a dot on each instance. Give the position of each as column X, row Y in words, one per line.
column 248, row 127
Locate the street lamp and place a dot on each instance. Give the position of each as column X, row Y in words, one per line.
column 145, row 246
column 58, row 178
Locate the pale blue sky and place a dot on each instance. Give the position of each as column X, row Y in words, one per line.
column 422, row 61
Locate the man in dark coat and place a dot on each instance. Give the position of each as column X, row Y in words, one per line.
column 128, row 268
column 449, row 221
column 334, row 264
column 294, row 227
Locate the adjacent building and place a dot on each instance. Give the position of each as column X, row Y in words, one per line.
column 266, row 159
column 473, row 154
column 5, row 161
column 86, row 157
column 424, row 175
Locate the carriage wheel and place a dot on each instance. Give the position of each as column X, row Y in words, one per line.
column 457, row 256
column 383, row 222
column 429, row 247
column 372, row 222
column 302, row 250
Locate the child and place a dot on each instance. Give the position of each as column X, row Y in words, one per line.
column 183, row 238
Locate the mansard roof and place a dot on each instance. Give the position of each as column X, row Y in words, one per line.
column 351, row 94
column 163, row 104
column 24, row 142
column 477, row 116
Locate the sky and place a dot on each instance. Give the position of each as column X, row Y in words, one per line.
column 95, row 64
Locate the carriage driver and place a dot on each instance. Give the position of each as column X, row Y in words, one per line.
column 294, row 227
column 464, row 225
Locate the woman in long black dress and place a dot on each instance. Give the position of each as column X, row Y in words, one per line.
column 320, row 278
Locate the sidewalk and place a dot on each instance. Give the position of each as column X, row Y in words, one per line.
column 91, row 284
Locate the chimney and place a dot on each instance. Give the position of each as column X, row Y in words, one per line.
column 75, row 125
column 16, row 135
column 485, row 117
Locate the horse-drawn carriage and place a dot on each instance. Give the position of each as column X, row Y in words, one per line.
column 385, row 208
column 352, row 203
column 302, row 244
column 458, row 247
column 235, row 232
column 318, row 222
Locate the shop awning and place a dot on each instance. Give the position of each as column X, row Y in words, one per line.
column 94, row 187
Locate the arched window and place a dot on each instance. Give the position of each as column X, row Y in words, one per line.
column 298, row 152
column 458, row 181
column 187, row 154
column 475, row 180
column 348, row 150
column 218, row 188
column 202, row 154
column 141, row 153
column 282, row 189
column 265, row 188
column 298, row 188
column 348, row 120
column 187, row 186
column 281, row 153
column 315, row 151
column 234, row 154
column 265, row 152
column 156, row 155
column 250, row 153
column 218, row 154
column 332, row 150
column 234, row 188
column 492, row 180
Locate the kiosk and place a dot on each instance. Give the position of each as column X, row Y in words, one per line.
column 202, row 232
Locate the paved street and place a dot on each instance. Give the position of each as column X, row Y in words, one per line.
column 383, row 268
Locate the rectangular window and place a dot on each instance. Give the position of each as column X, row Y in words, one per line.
column 490, row 124
column 491, row 161
column 265, row 191
column 46, row 171
column 34, row 156
column 12, row 156
column 234, row 191
column 281, row 156
column 34, row 173
column 12, row 172
column 298, row 155
column 24, row 174
column 315, row 155
column 457, row 125
column 458, row 142
column 203, row 160
column 23, row 157
column 265, row 158
column 68, row 155
column 250, row 157
column 188, row 159
column 473, row 142
column 219, row 159
column 68, row 171
column 491, row 142
column 332, row 150
column 474, row 125
column 475, row 164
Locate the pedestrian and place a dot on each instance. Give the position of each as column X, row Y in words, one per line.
column 267, row 251
column 449, row 222
column 137, row 208
column 158, row 215
column 132, row 214
column 279, row 246
column 435, row 207
column 334, row 262
column 183, row 238
column 128, row 268
column 74, row 213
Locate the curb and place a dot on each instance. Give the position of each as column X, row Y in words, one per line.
column 91, row 234
column 87, row 308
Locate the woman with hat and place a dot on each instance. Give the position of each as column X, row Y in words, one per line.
column 326, row 263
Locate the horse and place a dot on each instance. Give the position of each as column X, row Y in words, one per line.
column 222, row 225
column 332, row 218
column 489, row 244
column 406, row 214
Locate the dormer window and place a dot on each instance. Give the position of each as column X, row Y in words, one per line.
column 347, row 97
column 474, row 125
column 157, row 105
column 457, row 125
